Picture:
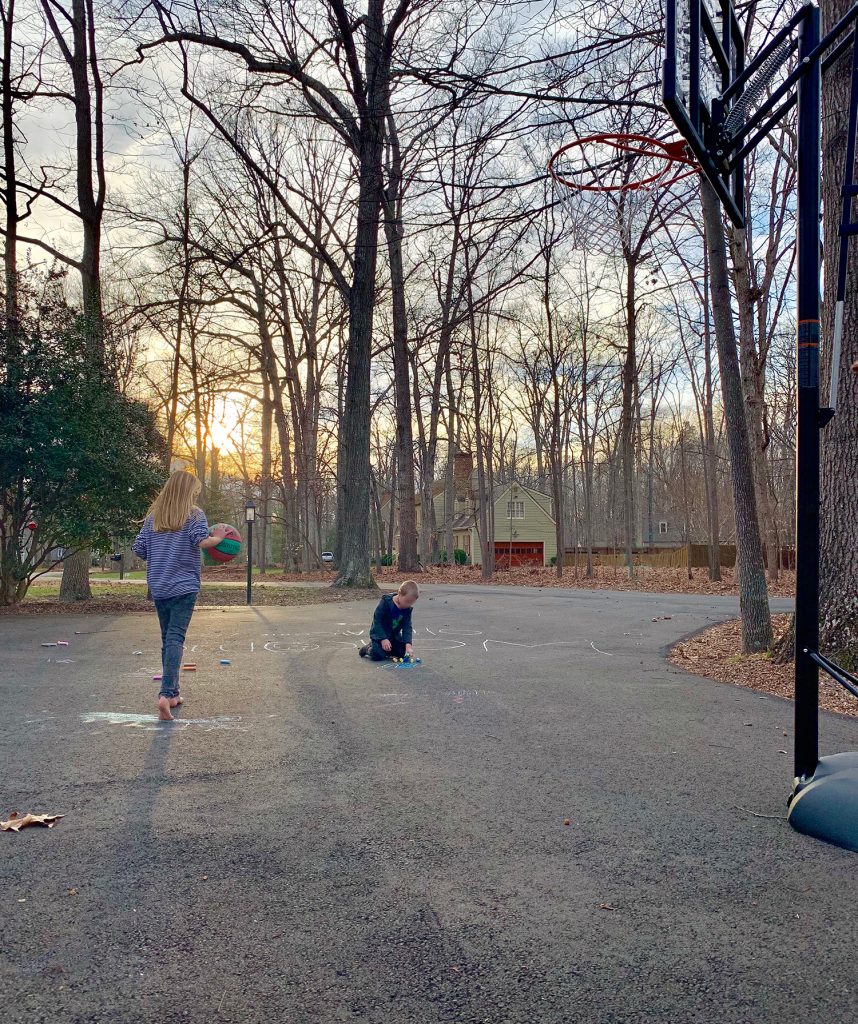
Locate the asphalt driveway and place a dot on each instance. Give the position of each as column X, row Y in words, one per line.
column 319, row 839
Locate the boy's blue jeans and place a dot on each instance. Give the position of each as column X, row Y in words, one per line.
column 378, row 653
column 174, row 614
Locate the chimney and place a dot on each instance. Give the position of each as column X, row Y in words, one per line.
column 463, row 467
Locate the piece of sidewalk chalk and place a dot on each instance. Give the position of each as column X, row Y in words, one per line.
column 157, row 679
column 225, row 661
column 62, row 643
column 138, row 652
column 189, row 668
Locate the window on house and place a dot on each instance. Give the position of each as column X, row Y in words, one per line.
column 662, row 527
column 515, row 510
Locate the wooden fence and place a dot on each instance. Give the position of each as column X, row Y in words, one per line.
column 697, row 555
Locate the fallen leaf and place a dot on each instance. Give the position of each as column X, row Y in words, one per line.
column 72, row 892
column 16, row 823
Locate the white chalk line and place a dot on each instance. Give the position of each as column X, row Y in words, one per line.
column 548, row 643
column 151, row 722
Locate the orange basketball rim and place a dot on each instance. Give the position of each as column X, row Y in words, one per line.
column 609, row 162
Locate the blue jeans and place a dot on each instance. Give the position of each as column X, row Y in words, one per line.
column 174, row 614
column 378, row 653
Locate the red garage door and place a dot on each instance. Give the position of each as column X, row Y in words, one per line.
column 520, row 552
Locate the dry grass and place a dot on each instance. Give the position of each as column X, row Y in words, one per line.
column 712, row 653
column 118, row 602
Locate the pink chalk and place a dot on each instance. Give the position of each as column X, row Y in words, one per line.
column 157, row 679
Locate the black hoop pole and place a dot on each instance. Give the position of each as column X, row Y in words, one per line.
column 807, row 445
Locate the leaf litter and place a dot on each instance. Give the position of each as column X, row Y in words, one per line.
column 712, row 653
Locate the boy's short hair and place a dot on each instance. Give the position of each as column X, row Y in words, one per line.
column 409, row 589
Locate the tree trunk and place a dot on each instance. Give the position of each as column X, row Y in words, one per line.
column 710, row 455
column 485, row 497
column 88, row 94
column 10, row 240
column 450, row 479
column 753, row 385
column 839, row 533
column 391, row 520
column 753, row 595
column 428, row 541
column 271, row 372
column 685, row 503
column 75, row 582
column 627, row 423
column 173, row 397
column 264, row 518
column 353, row 453
column 407, row 560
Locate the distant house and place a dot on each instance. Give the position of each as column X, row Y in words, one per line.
column 525, row 532
column 524, row 527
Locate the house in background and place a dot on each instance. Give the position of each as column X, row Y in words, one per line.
column 525, row 533
column 464, row 489
column 524, row 528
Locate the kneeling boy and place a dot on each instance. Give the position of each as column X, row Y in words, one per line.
column 391, row 633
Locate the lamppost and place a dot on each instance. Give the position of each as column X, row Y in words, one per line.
column 249, row 518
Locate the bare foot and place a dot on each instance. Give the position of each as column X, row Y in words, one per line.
column 164, row 709
column 176, row 701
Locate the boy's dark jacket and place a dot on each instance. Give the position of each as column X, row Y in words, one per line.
column 390, row 622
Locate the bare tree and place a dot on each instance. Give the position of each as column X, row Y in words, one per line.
column 360, row 54
column 753, row 595
column 839, row 540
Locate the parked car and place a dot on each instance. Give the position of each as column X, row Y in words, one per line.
column 327, row 556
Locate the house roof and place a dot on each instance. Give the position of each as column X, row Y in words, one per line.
column 467, row 520
column 437, row 488
column 540, row 497
column 464, row 521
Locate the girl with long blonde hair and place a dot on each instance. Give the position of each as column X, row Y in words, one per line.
column 174, row 533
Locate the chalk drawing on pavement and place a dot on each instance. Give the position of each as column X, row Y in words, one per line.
column 153, row 723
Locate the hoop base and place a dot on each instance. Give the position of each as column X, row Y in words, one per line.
column 826, row 806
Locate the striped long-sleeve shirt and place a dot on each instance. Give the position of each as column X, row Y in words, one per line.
column 173, row 557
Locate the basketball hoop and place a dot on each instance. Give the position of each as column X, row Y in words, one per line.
column 620, row 163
